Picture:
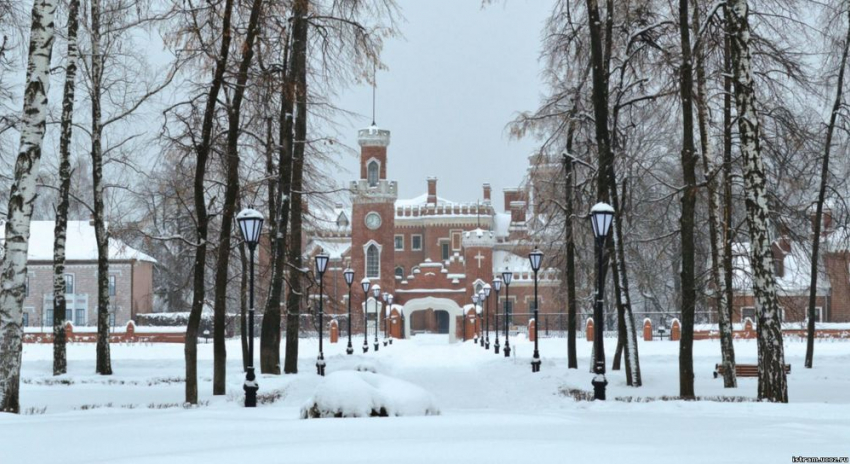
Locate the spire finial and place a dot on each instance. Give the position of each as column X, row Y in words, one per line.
column 374, row 84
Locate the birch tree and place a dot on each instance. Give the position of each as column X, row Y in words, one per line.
column 61, row 227
column 19, row 212
column 772, row 381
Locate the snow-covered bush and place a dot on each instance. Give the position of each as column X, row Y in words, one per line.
column 365, row 394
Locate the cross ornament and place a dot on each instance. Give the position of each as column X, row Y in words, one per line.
column 479, row 257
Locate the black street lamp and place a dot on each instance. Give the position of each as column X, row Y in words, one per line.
column 251, row 224
column 376, row 292
column 497, row 285
column 486, row 291
column 485, row 337
column 365, row 284
column 601, row 216
column 387, row 313
column 321, row 267
column 507, row 277
column 349, row 279
column 383, row 316
column 475, row 307
column 535, row 257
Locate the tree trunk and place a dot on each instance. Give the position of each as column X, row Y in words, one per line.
column 203, row 151
column 104, row 363
column 270, row 334
column 716, row 245
column 728, row 270
column 570, row 274
column 231, row 193
column 60, row 361
column 772, row 383
column 686, row 343
column 299, row 72
column 824, row 178
column 21, row 198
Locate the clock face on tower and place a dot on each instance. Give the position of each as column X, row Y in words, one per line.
column 373, row 220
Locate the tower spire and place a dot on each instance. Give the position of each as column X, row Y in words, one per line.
column 374, row 84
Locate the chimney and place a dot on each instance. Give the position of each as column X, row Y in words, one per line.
column 486, row 194
column 511, row 195
column 517, row 211
column 432, row 190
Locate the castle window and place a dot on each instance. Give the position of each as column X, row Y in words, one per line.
column 373, row 260
column 399, row 272
column 372, row 173
column 399, row 242
column 444, row 251
column 416, row 242
column 26, row 320
column 748, row 312
column 112, row 285
column 69, row 283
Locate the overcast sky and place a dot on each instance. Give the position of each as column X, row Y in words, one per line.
column 455, row 79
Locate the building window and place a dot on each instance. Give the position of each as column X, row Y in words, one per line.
column 399, row 272
column 80, row 320
column 27, row 286
column 69, row 284
column 399, row 242
column 818, row 314
column 416, row 242
column 111, row 319
column 26, row 319
column 748, row 312
column 531, row 303
column 372, row 173
column 48, row 316
column 112, row 285
column 444, row 251
column 373, row 261
column 69, row 314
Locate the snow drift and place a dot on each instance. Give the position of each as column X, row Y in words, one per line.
column 366, row 394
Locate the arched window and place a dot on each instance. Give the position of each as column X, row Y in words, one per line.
column 372, row 173
column 373, row 261
column 399, row 272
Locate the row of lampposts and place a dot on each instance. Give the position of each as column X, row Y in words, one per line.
column 601, row 215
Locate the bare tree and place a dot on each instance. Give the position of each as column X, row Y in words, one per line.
column 19, row 212
column 772, row 384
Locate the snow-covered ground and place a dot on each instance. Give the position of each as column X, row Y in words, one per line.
column 492, row 409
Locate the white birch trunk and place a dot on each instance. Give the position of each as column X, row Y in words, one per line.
column 772, row 383
column 14, row 268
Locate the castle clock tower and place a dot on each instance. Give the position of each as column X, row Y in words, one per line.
column 373, row 214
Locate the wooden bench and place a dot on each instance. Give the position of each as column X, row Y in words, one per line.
column 745, row 370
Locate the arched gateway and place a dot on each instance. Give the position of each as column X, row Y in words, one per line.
column 437, row 304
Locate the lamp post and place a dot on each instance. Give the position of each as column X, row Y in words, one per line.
column 601, row 216
column 507, row 277
column 383, row 316
column 349, row 279
column 475, row 307
column 251, row 224
column 387, row 312
column 497, row 285
column 535, row 257
column 365, row 284
column 321, row 267
column 376, row 292
column 485, row 342
column 486, row 291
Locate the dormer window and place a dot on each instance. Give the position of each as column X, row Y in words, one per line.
column 372, row 173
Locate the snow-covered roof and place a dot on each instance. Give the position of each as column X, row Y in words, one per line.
column 421, row 200
column 80, row 243
column 796, row 274
column 333, row 246
column 505, row 259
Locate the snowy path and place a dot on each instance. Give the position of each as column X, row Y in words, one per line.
column 493, row 410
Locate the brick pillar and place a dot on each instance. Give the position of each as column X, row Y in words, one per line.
column 470, row 324
column 589, row 329
column 531, row 324
column 675, row 331
column 334, row 331
column 395, row 323
column 647, row 330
